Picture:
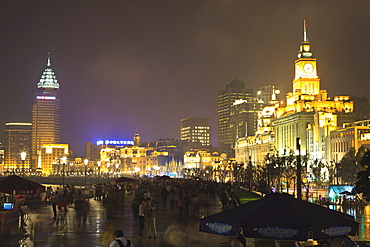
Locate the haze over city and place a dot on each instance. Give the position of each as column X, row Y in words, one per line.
column 126, row 66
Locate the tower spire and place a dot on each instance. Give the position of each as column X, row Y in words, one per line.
column 48, row 78
column 305, row 31
column 48, row 64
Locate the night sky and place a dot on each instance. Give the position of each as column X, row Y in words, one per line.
column 145, row 65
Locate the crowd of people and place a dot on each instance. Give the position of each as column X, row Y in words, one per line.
column 182, row 198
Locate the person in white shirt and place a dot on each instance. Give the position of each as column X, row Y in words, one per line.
column 142, row 214
column 120, row 241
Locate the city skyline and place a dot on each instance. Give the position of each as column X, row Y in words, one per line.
column 127, row 66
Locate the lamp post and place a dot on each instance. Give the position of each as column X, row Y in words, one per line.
column 268, row 173
column 99, row 163
column 299, row 169
column 250, row 184
column 108, row 169
column 64, row 161
column 86, row 162
column 117, row 169
column 23, row 158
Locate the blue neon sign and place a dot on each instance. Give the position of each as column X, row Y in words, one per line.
column 114, row 142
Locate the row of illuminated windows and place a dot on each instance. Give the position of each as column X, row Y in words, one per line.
column 342, row 146
column 342, row 134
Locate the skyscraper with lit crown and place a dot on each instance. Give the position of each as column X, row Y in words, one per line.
column 45, row 112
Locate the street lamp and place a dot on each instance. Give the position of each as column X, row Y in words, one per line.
column 299, row 169
column 137, row 170
column 86, row 162
column 23, row 158
column 99, row 163
column 117, row 166
column 108, row 168
column 268, row 173
column 64, row 161
column 250, row 184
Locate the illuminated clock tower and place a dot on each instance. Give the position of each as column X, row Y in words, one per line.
column 306, row 78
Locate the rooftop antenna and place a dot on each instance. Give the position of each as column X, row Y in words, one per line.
column 273, row 96
column 305, row 31
column 48, row 64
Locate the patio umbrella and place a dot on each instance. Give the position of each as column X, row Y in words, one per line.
column 19, row 185
column 347, row 193
column 123, row 179
column 164, row 177
column 280, row 217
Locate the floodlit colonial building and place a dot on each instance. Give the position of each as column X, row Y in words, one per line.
column 306, row 104
column 255, row 148
column 350, row 136
column 308, row 114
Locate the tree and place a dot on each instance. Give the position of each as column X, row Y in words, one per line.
column 363, row 183
column 317, row 170
column 348, row 167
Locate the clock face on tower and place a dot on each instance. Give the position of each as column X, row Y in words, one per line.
column 308, row 68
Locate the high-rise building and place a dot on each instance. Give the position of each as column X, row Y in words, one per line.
column 234, row 90
column 268, row 93
column 244, row 117
column 45, row 112
column 196, row 130
column 92, row 151
column 17, row 139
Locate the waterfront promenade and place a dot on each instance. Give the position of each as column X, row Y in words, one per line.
column 172, row 230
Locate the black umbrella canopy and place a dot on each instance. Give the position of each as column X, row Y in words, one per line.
column 19, row 185
column 123, row 179
column 280, row 216
column 164, row 177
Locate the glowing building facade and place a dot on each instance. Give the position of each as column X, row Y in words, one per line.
column 51, row 158
column 308, row 106
column 17, row 140
column 196, row 130
column 308, row 114
column 45, row 113
column 350, row 136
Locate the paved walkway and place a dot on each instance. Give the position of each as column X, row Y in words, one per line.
column 172, row 230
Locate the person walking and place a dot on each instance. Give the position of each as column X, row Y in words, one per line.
column 164, row 194
column 187, row 201
column 150, row 219
column 142, row 213
column 120, row 241
column 135, row 206
column 172, row 195
column 54, row 202
column 180, row 204
column 81, row 208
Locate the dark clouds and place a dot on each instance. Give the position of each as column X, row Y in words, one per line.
column 127, row 65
